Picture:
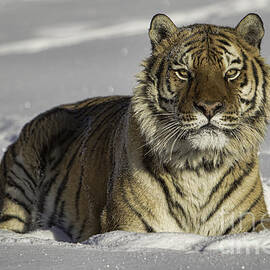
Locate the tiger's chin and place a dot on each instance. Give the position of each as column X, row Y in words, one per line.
column 208, row 139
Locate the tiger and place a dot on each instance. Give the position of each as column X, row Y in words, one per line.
column 179, row 155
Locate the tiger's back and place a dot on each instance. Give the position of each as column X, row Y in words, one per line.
column 57, row 176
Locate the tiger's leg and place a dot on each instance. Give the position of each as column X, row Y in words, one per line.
column 17, row 195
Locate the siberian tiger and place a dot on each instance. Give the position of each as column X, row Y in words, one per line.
column 180, row 155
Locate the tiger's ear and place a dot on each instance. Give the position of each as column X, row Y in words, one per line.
column 161, row 27
column 251, row 29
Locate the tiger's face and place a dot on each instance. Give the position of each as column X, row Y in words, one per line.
column 205, row 87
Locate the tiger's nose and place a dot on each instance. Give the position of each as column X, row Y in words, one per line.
column 209, row 108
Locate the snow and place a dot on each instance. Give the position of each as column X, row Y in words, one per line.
column 127, row 250
column 87, row 48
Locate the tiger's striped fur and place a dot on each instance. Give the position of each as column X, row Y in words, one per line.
column 180, row 155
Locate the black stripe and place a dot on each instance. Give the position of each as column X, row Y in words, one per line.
column 189, row 37
column 166, row 104
column 25, row 172
column 12, row 183
column 53, row 166
column 4, row 162
column 186, row 52
column 25, row 180
column 82, row 229
column 168, row 81
column 217, row 186
column 242, row 216
column 62, row 212
column 224, row 42
column 254, row 226
column 62, row 186
column 245, row 58
column 255, row 74
column 177, row 189
column 150, row 63
column 224, row 49
column 215, row 59
column 265, row 75
column 78, row 194
column 168, row 84
column 147, row 226
column 170, row 202
column 207, row 165
column 196, row 53
column 214, row 51
column 66, row 136
column 148, row 71
column 158, row 74
column 14, row 156
column 222, row 35
column 21, row 204
column 190, row 42
column 236, row 183
column 247, row 195
column 244, row 199
column 194, row 41
column 245, row 81
column 141, row 205
column 45, row 191
column 189, row 167
column 245, row 101
column 164, row 99
column 237, row 61
column 6, row 218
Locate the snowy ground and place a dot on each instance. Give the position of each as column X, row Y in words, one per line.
column 58, row 51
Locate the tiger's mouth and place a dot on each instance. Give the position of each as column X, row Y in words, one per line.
column 208, row 136
column 209, row 127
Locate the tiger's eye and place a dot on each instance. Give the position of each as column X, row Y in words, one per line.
column 232, row 74
column 182, row 74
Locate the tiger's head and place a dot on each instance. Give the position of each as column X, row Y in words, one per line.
column 204, row 89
